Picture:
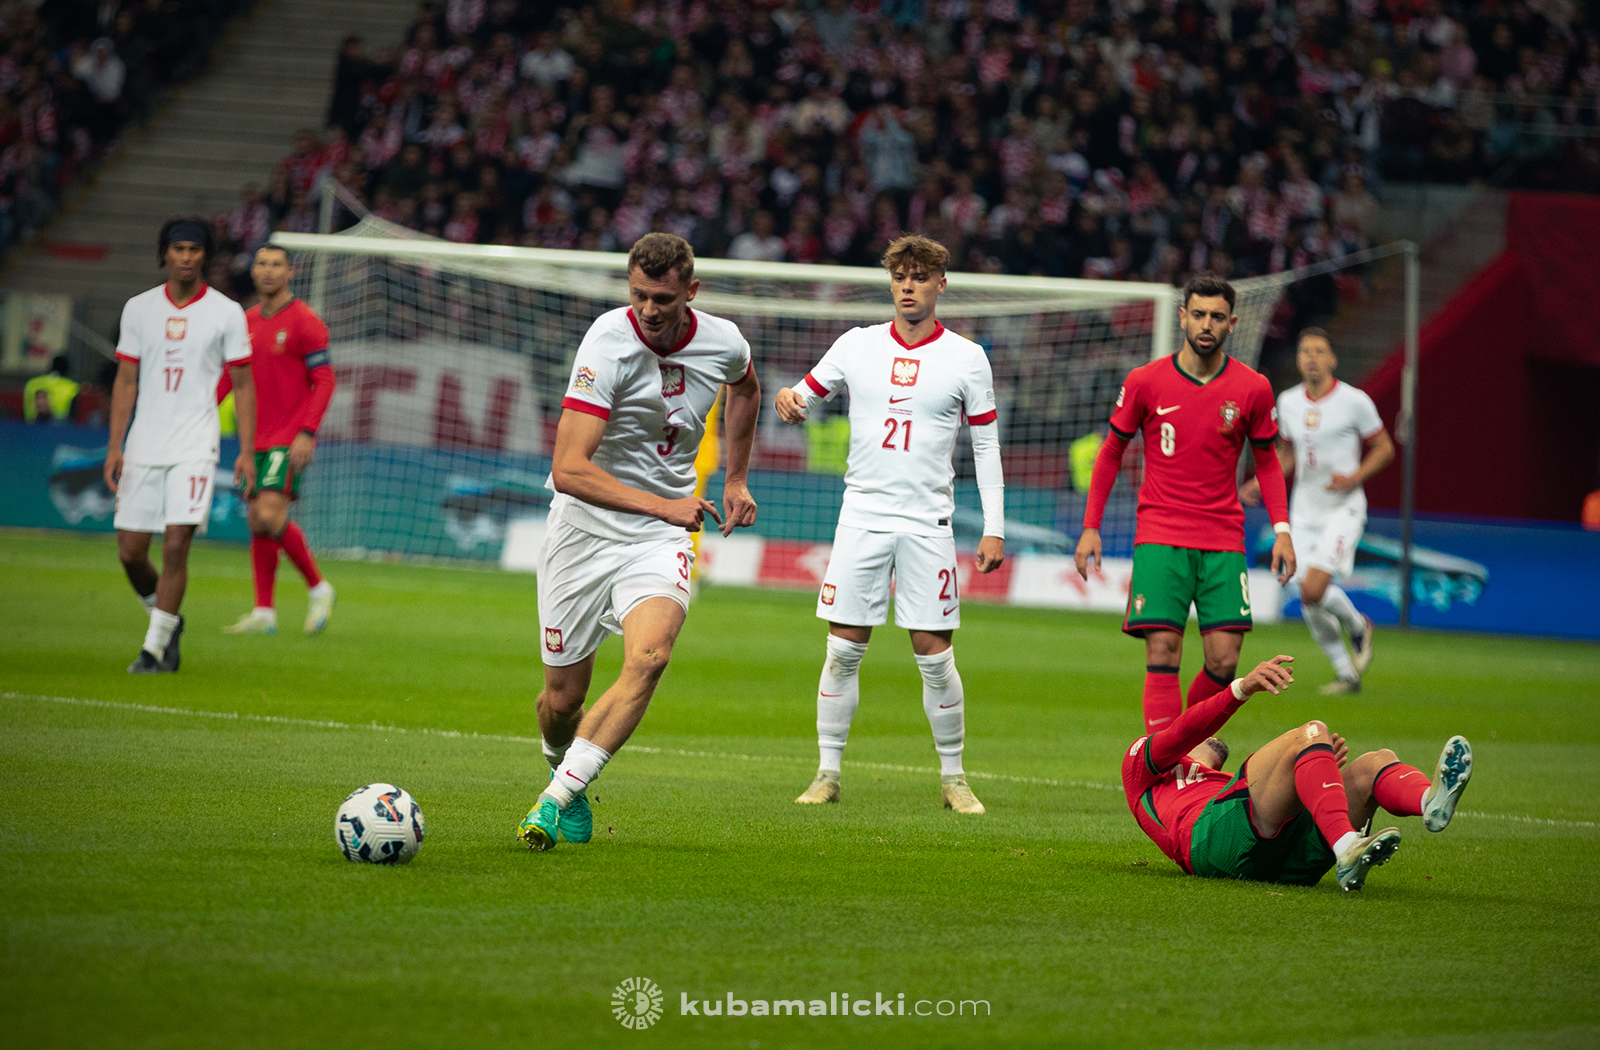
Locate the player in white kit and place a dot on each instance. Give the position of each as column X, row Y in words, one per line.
column 912, row 383
column 1330, row 441
column 617, row 556
column 175, row 341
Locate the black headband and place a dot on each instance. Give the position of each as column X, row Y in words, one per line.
column 192, row 232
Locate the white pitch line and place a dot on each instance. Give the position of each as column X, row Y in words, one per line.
column 456, row 734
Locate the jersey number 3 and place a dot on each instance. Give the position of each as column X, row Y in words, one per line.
column 666, row 447
column 897, row 429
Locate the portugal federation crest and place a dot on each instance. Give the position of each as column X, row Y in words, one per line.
column 1230, row 415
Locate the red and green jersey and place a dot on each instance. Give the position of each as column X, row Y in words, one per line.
column 294, row 380
column 1193, row 434
column 1165, row 790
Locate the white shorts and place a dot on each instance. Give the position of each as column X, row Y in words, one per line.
column 588, row 585
column 855, row 589
column 1328, row 543
column 151, row 498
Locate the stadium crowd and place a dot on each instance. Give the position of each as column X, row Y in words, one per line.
column 73, row 74
column 1130, row 139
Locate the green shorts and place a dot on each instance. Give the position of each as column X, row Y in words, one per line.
column 273, row 473
column 1224, row 844
column 1167, row 580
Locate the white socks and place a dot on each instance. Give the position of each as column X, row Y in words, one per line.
column 1345, row 842
column 577, row 771
column 148, row 601
column 942, row 700
column 323, row 589
column 162, row 624
column 265, row 612
column 1325, row 630
column 554, row 755
column 1337, row 602
column 838, row 695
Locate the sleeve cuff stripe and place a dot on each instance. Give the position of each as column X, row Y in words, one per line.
column 816, row 387
column 585, row 407
column 1126, row 435
column 1264, row 442
column 987, row 417
column 127, row 357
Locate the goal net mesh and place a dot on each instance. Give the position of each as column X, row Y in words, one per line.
column 453, row 360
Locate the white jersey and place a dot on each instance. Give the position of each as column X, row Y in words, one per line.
column 907, row 404
column 181, row 352
column 1327, row 434
column 655, row 405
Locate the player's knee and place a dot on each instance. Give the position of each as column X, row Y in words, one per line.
column 1315, row 732
column 1163, row 648
column 648, row 661
column 1313, row 591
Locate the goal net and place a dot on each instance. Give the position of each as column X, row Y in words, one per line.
column 453, row 359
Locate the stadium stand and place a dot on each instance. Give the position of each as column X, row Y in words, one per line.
column 1065, row 138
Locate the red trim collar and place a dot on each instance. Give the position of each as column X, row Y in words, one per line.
column 1325, row 393
column 694, row 326
column 938, row 330
column 166, row 290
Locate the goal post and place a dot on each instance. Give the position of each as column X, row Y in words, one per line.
column 453, row 359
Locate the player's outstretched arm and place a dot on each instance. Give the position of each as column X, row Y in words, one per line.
column 743, row 407
column 124, row 392
column 574, row 473
column 244, row 405
column 1206, row 718
column 1106, row 466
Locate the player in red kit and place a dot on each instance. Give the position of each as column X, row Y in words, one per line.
column 1292, row 810
column 1196, row 409
column 294, row 383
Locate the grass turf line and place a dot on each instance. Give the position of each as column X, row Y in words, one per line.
column 172, row 881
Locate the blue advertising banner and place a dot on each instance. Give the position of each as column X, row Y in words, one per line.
column 50, row 477
column 1477, row 574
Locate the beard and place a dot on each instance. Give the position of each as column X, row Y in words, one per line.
column 1216, row 347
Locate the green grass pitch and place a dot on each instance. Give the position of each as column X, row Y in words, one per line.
column 170, row 880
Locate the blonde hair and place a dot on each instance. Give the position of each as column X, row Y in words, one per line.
column 659, row 253
column 921, row 252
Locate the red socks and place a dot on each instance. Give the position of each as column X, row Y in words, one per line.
column 1163, row 702
column 1204, row 687
column 1321, row 790
column 1399, row 788
column 264, row 568
column 294, row 545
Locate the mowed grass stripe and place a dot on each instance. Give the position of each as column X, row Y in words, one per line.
column 640, row 748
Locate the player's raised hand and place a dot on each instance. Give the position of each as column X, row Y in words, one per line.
column 991, row 552
column 1088, row 547
column 689, row 512
column 1341, row 750
column 1283, row 562
column 1273, row 676
column 113, row 468
column 738, row 507
column 790, row 405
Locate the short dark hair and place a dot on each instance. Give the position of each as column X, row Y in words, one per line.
column 1314, row 332
column 288, row 257
column 1219, row 747
column 202, row 235
column 657, row 254
column 1207, row 284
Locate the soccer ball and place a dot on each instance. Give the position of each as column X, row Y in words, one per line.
column 379, row 824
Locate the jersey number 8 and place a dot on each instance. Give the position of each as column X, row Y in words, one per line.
column 1169, row 439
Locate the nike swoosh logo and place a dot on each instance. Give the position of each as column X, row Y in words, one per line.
column 1413, row 773
column 952, row 609
column 897, row 400
column 581, row 782
column 946, row 707
column 1336, row 785
column 1164, row 411
column 1158, row 721
column 832, row 695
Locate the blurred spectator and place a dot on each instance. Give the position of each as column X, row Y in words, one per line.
column 48, row 398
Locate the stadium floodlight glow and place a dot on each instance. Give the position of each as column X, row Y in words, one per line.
column 453, row 360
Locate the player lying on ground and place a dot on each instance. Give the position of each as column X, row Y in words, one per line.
column 294, row 383
column 1196, row 409
column 616, row 555
column 175, row 341
column 911, row 375
column 1331, row 440
column 1291, row 811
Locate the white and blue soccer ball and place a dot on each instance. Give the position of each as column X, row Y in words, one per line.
column 379, row 824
